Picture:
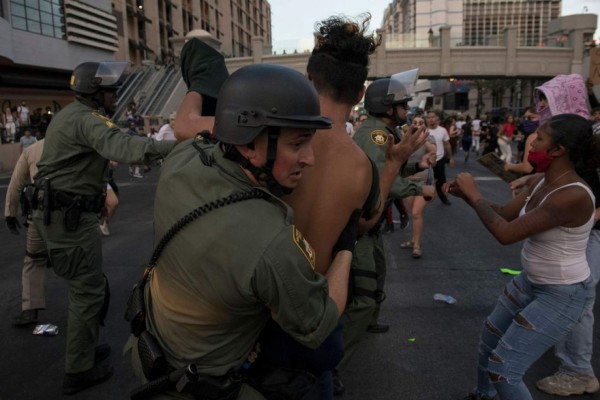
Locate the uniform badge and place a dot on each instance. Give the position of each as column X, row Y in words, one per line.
column 379, row 137
column 304, row 247
column 107, row 120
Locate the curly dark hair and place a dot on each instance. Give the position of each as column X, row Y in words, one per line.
column 338, row 65
column 575, row 133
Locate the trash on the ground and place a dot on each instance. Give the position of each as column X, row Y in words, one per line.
column 412, row 339
column 46, row 330
column 509, row 271
column 444, row 297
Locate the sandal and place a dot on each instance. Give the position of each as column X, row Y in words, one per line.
column 416, row 252
column 407, row 245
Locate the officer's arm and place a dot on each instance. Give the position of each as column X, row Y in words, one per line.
column 107, row 139
column 394, row 156
column 403, row 187
column 189, row 120
column 296, row 295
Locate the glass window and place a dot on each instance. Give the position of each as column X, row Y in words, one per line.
column 46, row 18
column 18, row 11
column 47, row 30
column 33, row 26
column 38, row 16
column 33, row 14
column 46, row 6
column 19, row 23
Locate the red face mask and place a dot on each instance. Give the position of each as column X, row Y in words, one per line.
column 540, row 160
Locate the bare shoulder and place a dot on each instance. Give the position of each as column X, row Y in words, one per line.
column 574, row 202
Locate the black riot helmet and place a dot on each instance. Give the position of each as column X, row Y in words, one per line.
column 385, row 93
column 265, row 98
column 90, row 77
column 260, row 96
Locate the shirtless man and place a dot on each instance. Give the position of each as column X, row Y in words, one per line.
column 342, row 179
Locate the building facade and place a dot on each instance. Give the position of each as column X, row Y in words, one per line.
column 472, row 22
column 146, row 27
column 43, row 40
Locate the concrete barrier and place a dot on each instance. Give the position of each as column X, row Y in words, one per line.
column 9, row 154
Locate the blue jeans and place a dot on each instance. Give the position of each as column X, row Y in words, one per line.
column 575, row 352
column 528, row 319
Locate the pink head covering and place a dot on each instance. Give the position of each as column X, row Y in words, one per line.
column 566, row 94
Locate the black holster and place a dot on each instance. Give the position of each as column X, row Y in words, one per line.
column 135, row 313
column 28, row 200
column 152, row 357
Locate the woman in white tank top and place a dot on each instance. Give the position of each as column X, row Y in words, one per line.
column 555, row 217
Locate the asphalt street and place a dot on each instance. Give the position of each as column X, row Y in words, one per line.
column 430, row 352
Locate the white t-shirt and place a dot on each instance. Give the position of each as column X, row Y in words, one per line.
column 349, row 128
column 23, row 112
column 476, row 126
column 165, row 133
column 440, row 135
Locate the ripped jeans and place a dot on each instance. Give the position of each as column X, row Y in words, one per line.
column 528, row 319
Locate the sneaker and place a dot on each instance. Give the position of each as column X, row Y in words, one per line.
column 104, row 229
column 27, row 317
column 404, row 220
column 562, row 384
column 74, row 383
column 137, row 175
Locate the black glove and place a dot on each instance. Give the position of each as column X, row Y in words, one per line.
column 203, row 68
column 13, row 225
column 348, row 237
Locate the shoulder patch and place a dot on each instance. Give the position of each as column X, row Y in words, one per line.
column 379, row 137
column 107, row 120
column 303, row 245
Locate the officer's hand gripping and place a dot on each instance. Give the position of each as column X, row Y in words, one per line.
column 13, row 225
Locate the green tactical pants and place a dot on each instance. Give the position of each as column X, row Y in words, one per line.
column 77, row 257
column 359, row 311
column 381, row 269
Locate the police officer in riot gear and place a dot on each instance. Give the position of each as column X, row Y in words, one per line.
column 388, row 98
column 70, row 183
column 222, row 278
column 386, row 102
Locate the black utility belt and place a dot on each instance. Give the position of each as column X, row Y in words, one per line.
column 59, row 200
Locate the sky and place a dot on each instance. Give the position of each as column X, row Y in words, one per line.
column 293, row 21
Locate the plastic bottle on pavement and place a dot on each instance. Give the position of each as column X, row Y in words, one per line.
column 444, row 297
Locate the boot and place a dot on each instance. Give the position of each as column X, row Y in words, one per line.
column 77, row 382
column 27, row 317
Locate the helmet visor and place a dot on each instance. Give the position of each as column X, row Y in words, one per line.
column 110, row 72
column 401, row 85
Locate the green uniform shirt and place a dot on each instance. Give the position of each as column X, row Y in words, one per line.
column 225, row 274
column 372, row 138
column 79, row 143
